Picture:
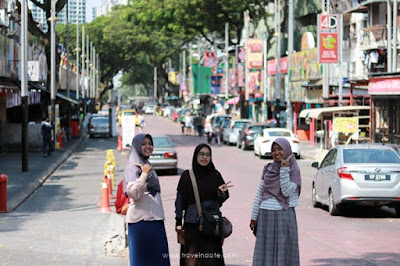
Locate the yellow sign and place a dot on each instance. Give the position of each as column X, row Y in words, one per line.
column 345, row 124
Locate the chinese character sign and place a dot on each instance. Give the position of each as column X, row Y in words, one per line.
column 328, row 38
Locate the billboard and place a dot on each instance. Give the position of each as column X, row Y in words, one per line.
column 328, row 38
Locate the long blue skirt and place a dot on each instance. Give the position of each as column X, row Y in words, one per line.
column 148, row 244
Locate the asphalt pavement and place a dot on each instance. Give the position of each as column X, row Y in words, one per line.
column 21, row 185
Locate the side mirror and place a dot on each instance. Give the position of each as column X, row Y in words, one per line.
column 314, row 164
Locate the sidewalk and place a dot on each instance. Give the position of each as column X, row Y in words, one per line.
column 311, row 152
column 20, row 184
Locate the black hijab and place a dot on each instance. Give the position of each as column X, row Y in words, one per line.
column 207, row 177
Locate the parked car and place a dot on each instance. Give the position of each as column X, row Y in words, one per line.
column 148, row 109
column 248, row 134
column 99, row 126
column 231, row 133
column 164, row 156
column 263, row 142
column 216, row 120
column 358, row 174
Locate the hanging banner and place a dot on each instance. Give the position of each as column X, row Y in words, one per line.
column 328, row 38
column 254, row 54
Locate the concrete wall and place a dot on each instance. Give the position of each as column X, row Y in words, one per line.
column 13, row 137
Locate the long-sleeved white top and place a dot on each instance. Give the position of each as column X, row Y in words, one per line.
column 288, row 188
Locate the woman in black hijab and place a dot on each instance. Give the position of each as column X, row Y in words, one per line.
column 199, row 249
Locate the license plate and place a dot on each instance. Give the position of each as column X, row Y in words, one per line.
column 157, row 156
column 377, row 177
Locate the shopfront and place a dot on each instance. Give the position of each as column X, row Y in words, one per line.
column 385, row 109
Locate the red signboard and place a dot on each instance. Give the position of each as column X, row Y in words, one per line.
column 328, row 38
column 271, row 66
column 384, row 86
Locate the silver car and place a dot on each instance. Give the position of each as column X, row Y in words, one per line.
column 99, row 126
column 358, row 174
column 164, row 155
column 232, row 130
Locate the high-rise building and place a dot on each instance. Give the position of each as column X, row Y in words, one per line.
column 76, row 11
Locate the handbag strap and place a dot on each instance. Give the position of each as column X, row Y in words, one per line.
column 197, row 197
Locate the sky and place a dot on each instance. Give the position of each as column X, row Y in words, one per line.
column 89, row 6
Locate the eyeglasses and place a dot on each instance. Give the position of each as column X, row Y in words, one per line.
column 202, row 154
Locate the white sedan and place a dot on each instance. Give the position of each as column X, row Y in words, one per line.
column 263, row 143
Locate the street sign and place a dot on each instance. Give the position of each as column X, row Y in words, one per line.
column 328, row 38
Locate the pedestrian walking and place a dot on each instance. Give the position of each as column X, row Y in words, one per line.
column 47, row 133
column 188, row 123
column 196, row 247
column 273, row 218
column 145, row 216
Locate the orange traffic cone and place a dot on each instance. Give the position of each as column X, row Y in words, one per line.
column 110, row 195
column 119, row 143
column 105, row 201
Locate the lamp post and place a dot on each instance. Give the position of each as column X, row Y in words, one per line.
column 24, row 85
column 53, row 89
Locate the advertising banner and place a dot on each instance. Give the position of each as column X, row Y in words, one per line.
column 254, row 54
column 345, row 124
column 328, row 38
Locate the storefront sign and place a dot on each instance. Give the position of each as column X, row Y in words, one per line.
column 254, row 54
column 328, row 38
column 345, row 124
column 386, row 86
column 283, row 66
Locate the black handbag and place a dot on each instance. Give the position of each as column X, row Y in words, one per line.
column 212, row 223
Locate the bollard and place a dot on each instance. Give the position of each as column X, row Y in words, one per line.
column 3, row 193
column 119, row 143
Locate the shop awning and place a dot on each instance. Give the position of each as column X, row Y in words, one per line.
column 58, row 94
column 317, row 112
column 234, row 100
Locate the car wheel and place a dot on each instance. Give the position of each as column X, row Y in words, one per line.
column 243, row 145
column 398, row 211
column 333, row 208
column 314, row 201
column 91, row 136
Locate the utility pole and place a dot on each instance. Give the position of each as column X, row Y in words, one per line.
column 289, row 109
column 394, row 60
column 83, row 63
column 340, row 60
column 277, row 62
column 53, row 90
column 67, row 42
column 389, row 36
column 265, row 73
column 77, row 58
column 246, row 68
column 190, row 83
column 226, row 59
column 24, row 85
column 183, row 73
column 155, row 83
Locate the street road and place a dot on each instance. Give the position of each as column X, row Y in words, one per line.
column 60, row 223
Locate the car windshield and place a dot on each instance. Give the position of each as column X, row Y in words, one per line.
column 129, row 113
column 161, row 142
column 240, row 125
column 99, row 120
column 257, row 129
column 370, row 156
column 279, row 134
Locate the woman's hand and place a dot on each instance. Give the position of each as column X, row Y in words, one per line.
column 253, row 226
column 146, row 168
column 286, row 162
column 224, row 187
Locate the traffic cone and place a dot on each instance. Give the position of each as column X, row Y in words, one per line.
column 119, row 143
column 110, row 195
column 105, row 201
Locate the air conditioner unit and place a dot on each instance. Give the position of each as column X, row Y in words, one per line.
column 4, row 21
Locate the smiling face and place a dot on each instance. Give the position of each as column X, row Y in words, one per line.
column 278, row 154
column 147, row 147
column 204, row 156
